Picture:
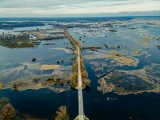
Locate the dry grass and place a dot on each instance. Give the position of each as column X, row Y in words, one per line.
column 135, row 52
column 49, row 67
column 125, row 61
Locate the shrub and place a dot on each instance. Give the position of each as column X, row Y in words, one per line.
column 36, row 79
column 3, row 101
column 8, row 112
column 1, row 85
column 62, row 113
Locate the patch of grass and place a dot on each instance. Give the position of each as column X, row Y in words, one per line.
column 136, row 52
column 1, row 85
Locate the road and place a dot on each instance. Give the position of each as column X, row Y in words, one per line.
column 81, row 115
column 80, row 94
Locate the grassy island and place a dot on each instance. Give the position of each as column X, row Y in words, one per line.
column 16, row 40
column 29, row 38
column 16, row 43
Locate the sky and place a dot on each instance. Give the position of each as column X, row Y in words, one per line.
column 74, row 8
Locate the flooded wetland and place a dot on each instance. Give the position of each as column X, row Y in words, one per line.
column 121, row 57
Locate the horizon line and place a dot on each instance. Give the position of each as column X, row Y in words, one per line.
column 82, row 16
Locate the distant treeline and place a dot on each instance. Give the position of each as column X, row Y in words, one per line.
column 11, row 25
column 67, row 25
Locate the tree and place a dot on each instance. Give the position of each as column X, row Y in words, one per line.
column 8, row 112
column 86, row 83
column 62, row 113
column 84, row 74
column 3, row 101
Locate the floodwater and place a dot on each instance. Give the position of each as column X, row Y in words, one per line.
column 132, row 35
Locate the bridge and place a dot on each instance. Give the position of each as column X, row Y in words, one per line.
column 81, row 115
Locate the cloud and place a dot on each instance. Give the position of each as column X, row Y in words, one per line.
column 22, row 8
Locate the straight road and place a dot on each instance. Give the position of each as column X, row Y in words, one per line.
column 81, row 115
column 80, row 94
